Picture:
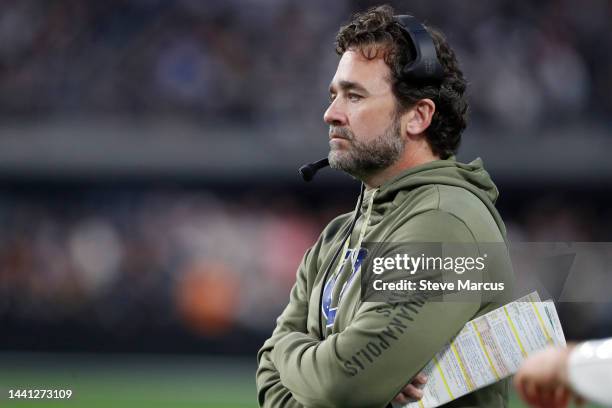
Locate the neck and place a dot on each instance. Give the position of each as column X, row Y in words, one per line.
column 411, row 158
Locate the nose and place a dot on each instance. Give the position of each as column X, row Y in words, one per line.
column 334, row 116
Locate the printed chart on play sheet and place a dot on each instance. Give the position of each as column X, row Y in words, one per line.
column 490, row 348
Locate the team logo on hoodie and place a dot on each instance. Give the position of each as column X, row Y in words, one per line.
column 356, row 258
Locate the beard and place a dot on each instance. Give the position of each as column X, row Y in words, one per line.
column 363, row 159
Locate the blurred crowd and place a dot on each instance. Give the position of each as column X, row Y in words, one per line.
column 529, row 63
column 123, row 261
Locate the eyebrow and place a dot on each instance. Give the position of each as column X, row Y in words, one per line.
column 348, row 86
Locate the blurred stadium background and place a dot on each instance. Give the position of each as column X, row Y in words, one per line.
column 151, row 216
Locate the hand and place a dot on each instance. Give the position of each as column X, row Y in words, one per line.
column 542, row 379
column 412, row 391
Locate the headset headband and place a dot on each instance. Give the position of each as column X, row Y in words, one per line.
column 425, row 66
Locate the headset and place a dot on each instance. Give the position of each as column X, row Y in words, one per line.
column 424, row 67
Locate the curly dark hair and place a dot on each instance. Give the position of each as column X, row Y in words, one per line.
column 374, row 31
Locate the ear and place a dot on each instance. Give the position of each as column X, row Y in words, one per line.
column 418, row 118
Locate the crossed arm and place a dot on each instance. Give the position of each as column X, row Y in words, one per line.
column 291, row 332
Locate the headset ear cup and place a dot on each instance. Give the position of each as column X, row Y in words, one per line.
column 425, row 65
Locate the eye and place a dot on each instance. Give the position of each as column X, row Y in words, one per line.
column 332, row 97
column 353, row 97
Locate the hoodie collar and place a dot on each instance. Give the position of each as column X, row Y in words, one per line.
column 471, row 176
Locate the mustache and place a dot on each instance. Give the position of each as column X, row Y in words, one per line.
column 342, row 132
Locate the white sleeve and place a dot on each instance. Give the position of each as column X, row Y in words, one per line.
column 590, row 371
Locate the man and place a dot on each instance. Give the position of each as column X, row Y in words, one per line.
column 552, row 377
column 398, row 135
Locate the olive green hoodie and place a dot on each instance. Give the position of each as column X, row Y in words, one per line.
column 441, row 201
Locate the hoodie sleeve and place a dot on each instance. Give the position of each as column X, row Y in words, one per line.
column 385, row 345
column 270, row 390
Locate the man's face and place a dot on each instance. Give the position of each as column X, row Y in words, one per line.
column 364, row 129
